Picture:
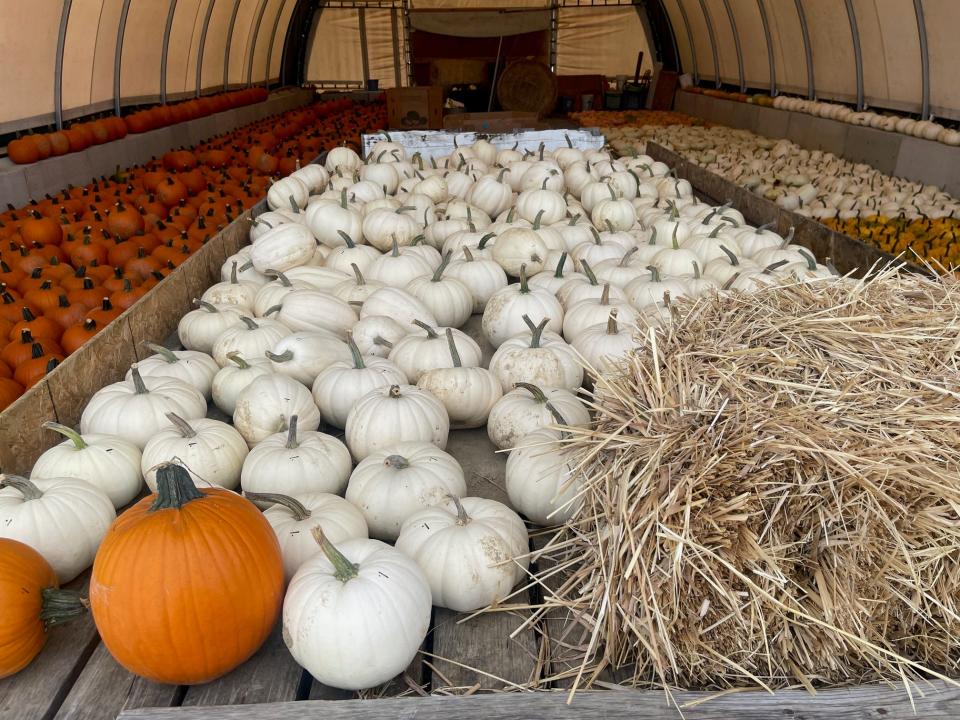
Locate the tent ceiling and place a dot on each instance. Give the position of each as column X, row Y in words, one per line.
column 235, row 42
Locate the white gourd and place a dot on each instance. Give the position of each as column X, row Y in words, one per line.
column 540, row 478
column 250, row 340
column 417, row 352
column 212, row 452
column 192, row 367
column 200, row 328
column 504, row 314
column 525, row 409
column 398, row 413
column 234, row 377
column 265, row 406
column 536, row 358
column 304, row 355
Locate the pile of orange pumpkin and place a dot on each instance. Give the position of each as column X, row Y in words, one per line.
column 71, row 263
column 81, row 135
column 634, row 118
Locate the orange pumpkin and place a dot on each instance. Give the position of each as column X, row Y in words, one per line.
column 160, row 611
column 77, row 335
column 41, row 362
column 23, row 151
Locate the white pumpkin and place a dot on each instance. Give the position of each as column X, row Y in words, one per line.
column 199, row 329
column 399, row 479
column 282, row 248
column 416, row 353
column 536, row 358
column 355, row 617
column 450, row 301
column 519, row 249
column 317, row 310
column 274, row 291
column 398, row 413
column 483, row 278
column 342, row 159
column 472, row 550
column 250, row 340
column 106, row 462
column 354, row 291
column 375, row 335
column 63, row 519
column 604, row 344
column 265, row 406
column 293, row 518
column 504, row 314
column 467, row 393
column 553, row 280
column 525, row 409
column 397, row 304
column 531, row 203
column 234, row 291
column 295, row 461
column 136, row 409
column 304, row 355
column 234, row 377
column 288, row 192
column 341, row 384
column 490, row 194
column 212, row 452
column 192, row 367
column 642, row 293
column 382, row 228
column 586, row 313
column 318, row 278
column 343, row 257
column 331, row 222
column 540, row 478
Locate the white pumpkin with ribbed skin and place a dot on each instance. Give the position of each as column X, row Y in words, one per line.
column 265, row 406
column 396, row 269
column 503, row 316
column 587, row 287
column 250, row 340
column 553, row 280
column 237, row 292
column 105, row 461
column 539, row 478
column 531, row 203
column 317, row 310
column 355, row 290
column 296, row 461
column 343, row 159
column 212, row 451
column 318, row 278
column 482, row 277
column 490, row 195
column 539, row 358
column 473, row 240
column 587, row 313
column 427, row 349
column 199, row 329
column 63, row 519
column 399, row 479
column 338, row 388
column 382, row 227
column 343, row 257
column 614, row 214
column 193, row 367
column 330, row 221
column 524, row 409
column 642, row 293
column 399, row 413
column 264, row 223
column 136, row 409
column 287, row 193
column 282, row 248
column 375, row 335
column 293, row 517
column 436, row 235
column 234, row 377
column 604, row 344
column 304, row 355
column 397, row 304
column 466, row 548
column 517, row 248
column 314, row 176
column 382, row 175
column 274, row 291
column 360, row 629
column 450, row 301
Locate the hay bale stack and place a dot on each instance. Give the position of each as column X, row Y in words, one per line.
column 772, row 492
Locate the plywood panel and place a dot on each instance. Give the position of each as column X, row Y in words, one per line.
column 756, row 66
column 680, row 33
column 182, row 53
column 240, row 46
column 833, row 63
column 726, row 48
column 788, row 46
column 142, row 49
column 601, row 42
column 943, row 19
column 335, row 51
column 900, row 46
column 28, row 42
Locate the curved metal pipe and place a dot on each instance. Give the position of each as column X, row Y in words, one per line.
column 253, row 40
column 808, row 49
column 713, row 41
column 673, row 35
column 58, row 64
column 203, row 42
column 226, row 49
column 924, row 59
column 117, row 56
column 736, row 45
column 766, row 33
column 166, row 48
column 693, row 48
column 273, row 35
column 857, row 54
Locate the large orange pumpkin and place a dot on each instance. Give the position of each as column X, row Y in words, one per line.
column 187, row 583
column 31, row 603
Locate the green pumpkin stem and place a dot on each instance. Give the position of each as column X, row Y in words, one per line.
column 300, row 512
column 138, row 383
column 183, row 427
column 558, row 273
column 438, row 273
column 430, row 331
column 454, row 353
column 536, row 331
column 167, row 354
column 175, row 488
column 292, row 442
column 355, row 351
column 237, row 360
column 343, row 569
column 462, row 517
column 68, row 432
column 60, row 606
column 26, row 487
column 538, row 394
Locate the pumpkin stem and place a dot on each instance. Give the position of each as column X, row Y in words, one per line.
column 536, row 331
column 382, row 342
column 233, row 273
column 730, row 256
column 175, row 488
column 454, row 354
column 696, row 270
column 395, row 252
column 625, row 260
column 355, row 351
column 676, row 244
column 395, row 390
column 596, row 236
column 612, row 323
column 485, row 239
column 167, row 354
column 467, row 254
column 300, row 512
column 430, row 331
column 182, row 425
column 203, row 304
column 284, row 280
column 536, row 220
column 524, row 287
column 249, row 322
column 138, row 383
column 438, row 273
column 654, row 273
column 285, row 356
column 715, row 232
column 588, row 271
column 358, row 274
column 558, row 418
column 343, row 198
column 343, row 569
column 235, row 358
column 26, row 487
column 558, row 273
column 462, row 517
column 347, row 239
column 397, row 462
column 605, row 295
column 538, row 394
column 60, row 606
column 292, row 442
column 789, row 238
column 68, row 432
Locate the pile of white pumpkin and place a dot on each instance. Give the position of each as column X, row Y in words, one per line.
column 812, row 183
column 926, row 129
column 346, row 311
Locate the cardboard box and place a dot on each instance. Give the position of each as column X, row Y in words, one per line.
column 492, row 122
column 415, row 108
